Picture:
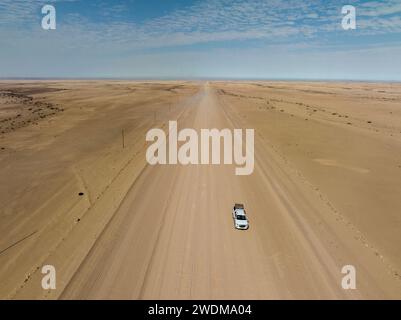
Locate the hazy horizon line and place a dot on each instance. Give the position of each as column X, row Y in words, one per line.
column 203, row 79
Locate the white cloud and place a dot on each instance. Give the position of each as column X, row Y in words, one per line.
column 205, row 21
column 79, row 41
column 378, row 9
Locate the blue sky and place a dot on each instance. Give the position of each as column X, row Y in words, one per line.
column 269, row 39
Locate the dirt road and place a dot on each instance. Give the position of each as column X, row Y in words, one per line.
column 173, row 236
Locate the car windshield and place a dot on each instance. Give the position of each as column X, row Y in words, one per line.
column 241, row 217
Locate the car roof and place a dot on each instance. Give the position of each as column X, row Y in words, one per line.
column 240, row 211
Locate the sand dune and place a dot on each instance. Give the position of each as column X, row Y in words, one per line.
column 77, row 192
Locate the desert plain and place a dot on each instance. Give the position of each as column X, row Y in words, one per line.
column 77, row 192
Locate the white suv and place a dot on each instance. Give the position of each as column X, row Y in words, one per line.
column 239, row 215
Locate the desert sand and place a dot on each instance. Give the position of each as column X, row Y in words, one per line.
column 77, row 192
